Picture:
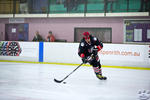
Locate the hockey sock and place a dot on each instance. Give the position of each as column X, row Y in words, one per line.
column 97, row 70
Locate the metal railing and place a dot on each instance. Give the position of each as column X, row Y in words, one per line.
column 72, row 6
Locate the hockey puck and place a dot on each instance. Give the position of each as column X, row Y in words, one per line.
column 64, row 82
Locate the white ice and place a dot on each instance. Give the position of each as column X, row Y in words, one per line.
column 19, row 81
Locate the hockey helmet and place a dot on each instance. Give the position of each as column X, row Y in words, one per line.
column 86, row 35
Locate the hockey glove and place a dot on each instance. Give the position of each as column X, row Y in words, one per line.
column 88, row 59
column 84, row 60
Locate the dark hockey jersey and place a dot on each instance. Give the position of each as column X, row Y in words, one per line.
column 85, row 48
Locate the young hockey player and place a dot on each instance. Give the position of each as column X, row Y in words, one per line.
column 88, row 51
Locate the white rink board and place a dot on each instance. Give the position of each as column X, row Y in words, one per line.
column 61, row 52
column 29, row 49
column 29, row 52
column 111, row 54
column 125, row 55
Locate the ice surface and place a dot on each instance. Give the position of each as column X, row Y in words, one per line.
column 19, row 81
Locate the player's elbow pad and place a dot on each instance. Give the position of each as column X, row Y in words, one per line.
column 99, row 48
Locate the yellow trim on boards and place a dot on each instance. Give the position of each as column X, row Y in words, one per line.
column 70, row 64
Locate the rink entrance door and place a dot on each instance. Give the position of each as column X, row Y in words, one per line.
column 16, row 32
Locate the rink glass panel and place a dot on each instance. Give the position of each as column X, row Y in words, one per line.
column 103, row 34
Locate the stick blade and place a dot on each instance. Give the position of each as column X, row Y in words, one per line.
column 57, row 81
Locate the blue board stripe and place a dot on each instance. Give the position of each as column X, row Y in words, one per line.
column 41, row 47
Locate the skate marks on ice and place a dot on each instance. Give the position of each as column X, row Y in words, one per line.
column 36, row 82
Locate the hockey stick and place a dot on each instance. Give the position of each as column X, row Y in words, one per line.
column 59, row 81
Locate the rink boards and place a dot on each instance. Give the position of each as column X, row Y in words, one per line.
column 112, row 55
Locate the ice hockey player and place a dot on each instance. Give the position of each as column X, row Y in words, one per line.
column 88, row 51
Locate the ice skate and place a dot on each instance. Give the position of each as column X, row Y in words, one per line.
column 101, row 77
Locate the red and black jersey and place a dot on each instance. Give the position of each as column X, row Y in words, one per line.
column 85, row 48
